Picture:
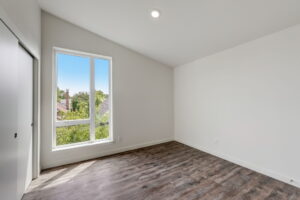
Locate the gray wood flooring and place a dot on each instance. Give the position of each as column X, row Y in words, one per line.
column 166, row 171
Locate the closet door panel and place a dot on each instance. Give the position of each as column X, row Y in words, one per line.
column 8, row 114
column 25, row 118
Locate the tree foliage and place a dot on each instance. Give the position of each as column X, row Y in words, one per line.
column 60, row 94
column 80, row 110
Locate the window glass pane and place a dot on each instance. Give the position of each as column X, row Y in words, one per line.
column 73, row 86
column 102, row 98
column 72, row 134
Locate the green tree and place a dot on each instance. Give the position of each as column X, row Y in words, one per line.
column 80, row 110
column 80, row 99
column 60, row 94
column 99, row 98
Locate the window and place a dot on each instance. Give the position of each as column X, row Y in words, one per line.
column 82, row 96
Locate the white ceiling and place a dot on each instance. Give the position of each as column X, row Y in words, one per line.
column 187, row 29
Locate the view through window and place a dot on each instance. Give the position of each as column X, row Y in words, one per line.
column 82, row 98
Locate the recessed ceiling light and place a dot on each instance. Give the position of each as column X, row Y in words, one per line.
column 155, row 14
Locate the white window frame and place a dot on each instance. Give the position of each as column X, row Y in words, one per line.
column 91, row 120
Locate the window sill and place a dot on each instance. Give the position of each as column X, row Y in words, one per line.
column 82, row 144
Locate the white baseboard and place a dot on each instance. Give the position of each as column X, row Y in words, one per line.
column 106, row 153
column 245, row 164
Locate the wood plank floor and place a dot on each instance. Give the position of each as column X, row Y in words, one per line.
column 166, row 171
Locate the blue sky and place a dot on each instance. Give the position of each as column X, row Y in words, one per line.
column 73, row 73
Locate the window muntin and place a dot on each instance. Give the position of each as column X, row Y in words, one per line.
column 83, row 98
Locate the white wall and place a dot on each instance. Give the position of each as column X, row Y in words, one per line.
column 243, row 104
column 24, row 18
column 143, row 94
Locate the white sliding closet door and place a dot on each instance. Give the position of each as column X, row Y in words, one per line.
column 8, row 114
column 16, row 116
column 25, row 119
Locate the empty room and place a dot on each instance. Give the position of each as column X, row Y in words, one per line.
column 149, row 99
